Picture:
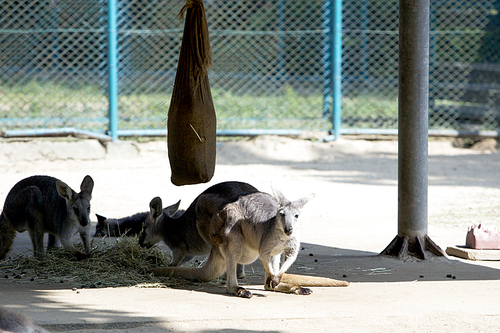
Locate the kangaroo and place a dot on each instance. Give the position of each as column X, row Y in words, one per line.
column 16, row 322
column 129, row 225
column 248, row 227
column 188, row 235
column 44, row 204
column 11, row 321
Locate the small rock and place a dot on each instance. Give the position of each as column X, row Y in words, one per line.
column 345, row 275
column 310, row 254
column 315, row 260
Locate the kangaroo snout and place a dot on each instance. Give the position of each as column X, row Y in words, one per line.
column 84, row 223
column 288, row 230
column 144, row 244
column 83, row 218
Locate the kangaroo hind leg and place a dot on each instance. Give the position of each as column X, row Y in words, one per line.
column 27, row 211
column 232, row 286
column 212, row 269
column 7, row 235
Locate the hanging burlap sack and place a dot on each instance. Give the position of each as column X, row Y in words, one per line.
column 191, row 121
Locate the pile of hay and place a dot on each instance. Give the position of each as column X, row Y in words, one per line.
column 120, row 263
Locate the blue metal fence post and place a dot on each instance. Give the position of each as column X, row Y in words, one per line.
column 332, row 64
column 337, row 66
column 281, row 43
column 364, row 43
column 112, row 73
column 327, row 58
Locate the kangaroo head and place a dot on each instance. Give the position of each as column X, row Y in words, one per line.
column 102, row 226
column 289, row 212
column 77, row 204
column 150, row 234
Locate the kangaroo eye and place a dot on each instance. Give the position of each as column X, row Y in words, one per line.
column 296, row 216
column 282, row 213
column 76, row 210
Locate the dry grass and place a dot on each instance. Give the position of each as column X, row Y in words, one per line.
column 120, row 263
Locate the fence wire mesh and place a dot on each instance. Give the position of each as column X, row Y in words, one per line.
column 52, row 65
column 464, row 65
column 271, row 63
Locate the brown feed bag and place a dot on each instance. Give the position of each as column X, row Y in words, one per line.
column 191, row 124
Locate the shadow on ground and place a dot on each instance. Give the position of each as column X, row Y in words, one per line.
column 359, row 266
column 337, row 263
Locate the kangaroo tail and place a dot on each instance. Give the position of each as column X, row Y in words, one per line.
column 312, row 281
column 212, row 269
column 7, row 234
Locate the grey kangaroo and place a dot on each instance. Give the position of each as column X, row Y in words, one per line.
column 44, row 204
column 11, row 321
column 129, row 225
column 188, row 235
column 252, row 226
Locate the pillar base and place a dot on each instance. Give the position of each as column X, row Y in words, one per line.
column 416, row 246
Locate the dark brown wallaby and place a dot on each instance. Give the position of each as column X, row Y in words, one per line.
column 188, row 235
column 44, row 204
column 129, row 225
column 252, row 226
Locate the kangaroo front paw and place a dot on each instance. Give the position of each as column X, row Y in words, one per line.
column 272, row 282
column 243, row 293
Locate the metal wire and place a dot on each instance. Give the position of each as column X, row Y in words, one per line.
column 269, row 70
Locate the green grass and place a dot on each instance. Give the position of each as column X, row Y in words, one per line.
column 48, row 104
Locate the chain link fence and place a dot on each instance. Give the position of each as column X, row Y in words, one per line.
column 464, row 92
column 271, row 64
column 52, row 65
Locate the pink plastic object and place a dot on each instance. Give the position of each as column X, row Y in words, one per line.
column 481, row 237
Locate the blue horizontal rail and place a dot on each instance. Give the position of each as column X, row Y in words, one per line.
column 55, row 132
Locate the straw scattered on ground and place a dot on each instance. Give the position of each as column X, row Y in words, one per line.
column 111, row 264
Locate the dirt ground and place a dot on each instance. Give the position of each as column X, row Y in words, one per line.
column 352, row 218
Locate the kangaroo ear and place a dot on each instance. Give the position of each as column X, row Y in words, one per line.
column 170, row 210
column 64, row 190
column 87, row 186
column 155, row 207
column 100, row 219
column 301, row 202
column 280, row 198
